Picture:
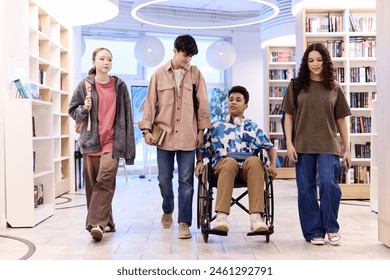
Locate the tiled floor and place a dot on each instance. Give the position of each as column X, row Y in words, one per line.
column 139, row 235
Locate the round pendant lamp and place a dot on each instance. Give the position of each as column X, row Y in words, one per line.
column 149, row 51
column 221, row 55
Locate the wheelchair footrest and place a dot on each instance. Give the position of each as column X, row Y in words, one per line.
column 267, row 232
column 214, row 231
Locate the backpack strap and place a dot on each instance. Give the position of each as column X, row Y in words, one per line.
column 194, row 88
column 88, row 88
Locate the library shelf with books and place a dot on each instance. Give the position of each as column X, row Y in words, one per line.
column 350, row 36
column 280, row 70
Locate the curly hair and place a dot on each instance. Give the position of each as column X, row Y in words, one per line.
column 303, row 79
column 242, row 90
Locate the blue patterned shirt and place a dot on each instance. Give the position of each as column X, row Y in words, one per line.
column 226, row 137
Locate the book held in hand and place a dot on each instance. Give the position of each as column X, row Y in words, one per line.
column 158, row 134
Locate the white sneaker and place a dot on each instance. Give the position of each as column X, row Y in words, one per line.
column 97, row 233
column 221, row 224
column 258, row 224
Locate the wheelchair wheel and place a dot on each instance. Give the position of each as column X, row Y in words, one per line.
column 202, row 185
column 204, row 204
column 269, row 201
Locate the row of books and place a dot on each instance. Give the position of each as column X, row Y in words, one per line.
column 279, row 143
column 275, row 126
column 335, row 47
column 363, row 150
column 360, row 124
column 339, row 74
column 363, row 74
column 275, row 110
column 284, row 161
column 38, row 195
column 281, row 74
column 361, row 99
column 283, row 56
column 360, row 174
column 276, row 91
column 324, row 23
column 362, row 47
column 362, row 24
column 335, row 23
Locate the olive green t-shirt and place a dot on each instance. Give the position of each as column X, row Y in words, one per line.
column 315, row 122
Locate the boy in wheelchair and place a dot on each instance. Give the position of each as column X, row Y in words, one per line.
column 224, row 138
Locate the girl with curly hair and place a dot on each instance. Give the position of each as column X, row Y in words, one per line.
column 312, row 123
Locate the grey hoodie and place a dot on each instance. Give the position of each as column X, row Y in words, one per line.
column 124, row 143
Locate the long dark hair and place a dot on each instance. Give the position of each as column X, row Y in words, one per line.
column 92, row 71
column 303, row 79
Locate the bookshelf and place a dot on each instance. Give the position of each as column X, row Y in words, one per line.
column 37, row 136
column 29, row 161
column 351, row 40
column 280, row 69
column 49, row 70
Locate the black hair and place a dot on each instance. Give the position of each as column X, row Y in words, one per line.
column 186, row 44
column 328, row 72
column 240, row 89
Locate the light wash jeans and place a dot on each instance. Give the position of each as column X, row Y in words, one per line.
column 186, row 166
column 318, row 218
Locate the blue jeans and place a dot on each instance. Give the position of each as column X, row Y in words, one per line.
column 318, row 218
column 185, row 163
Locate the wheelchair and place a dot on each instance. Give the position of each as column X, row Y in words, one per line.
column 207, row 181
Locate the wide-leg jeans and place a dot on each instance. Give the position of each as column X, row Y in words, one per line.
column 186, row 168
column 318, row 218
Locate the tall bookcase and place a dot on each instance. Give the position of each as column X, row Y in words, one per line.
column 351, row 39
column 49, row 69
column 281, row 68
column 37, row 130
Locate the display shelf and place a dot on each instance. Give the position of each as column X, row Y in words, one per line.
column 280, row 70
column 35, row 143
column 49, row 69
column 351, row 40
column 37, row 130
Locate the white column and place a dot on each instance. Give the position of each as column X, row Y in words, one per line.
column 383, row 125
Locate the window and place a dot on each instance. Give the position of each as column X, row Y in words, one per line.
column 136, row 77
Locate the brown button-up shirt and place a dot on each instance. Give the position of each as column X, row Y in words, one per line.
column 172, row 109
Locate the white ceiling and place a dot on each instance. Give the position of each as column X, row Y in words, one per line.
column 205, row 10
